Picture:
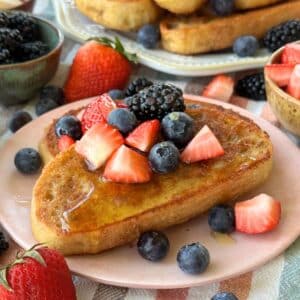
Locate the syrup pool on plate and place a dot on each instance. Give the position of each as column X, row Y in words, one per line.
column 223, row 238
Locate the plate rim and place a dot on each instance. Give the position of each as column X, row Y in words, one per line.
column 251, row 267
column 163, row 65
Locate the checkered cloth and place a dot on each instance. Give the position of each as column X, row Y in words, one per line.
column 277, row 280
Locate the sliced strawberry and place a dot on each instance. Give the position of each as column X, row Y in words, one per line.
column 203, row 146
column 221, row 88
column 291, row 54
column 121, row 104
column 294, row 85
column 257, row 215
column 144, row 136
column 98, row 144
column 97, row 111
column 127, row 166
column 279, row 73
column 106, row 105
column 65, row 142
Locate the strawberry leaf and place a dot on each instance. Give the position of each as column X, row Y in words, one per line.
column 118, row 46
column 34, row 254
column 3, row 279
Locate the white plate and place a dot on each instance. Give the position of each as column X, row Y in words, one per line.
column 123, row 266
column 80, row 28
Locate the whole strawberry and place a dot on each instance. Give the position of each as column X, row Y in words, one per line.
column 99, row 66
column 37, row 274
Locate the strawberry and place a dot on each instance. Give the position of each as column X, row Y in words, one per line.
column 279, row 73
column 127, row 166
column 257, row 215
column 291, row 54
column 144, row 136
column 38, row 273
column 294, row 84
column 203, row 146
column 97, row 111
column 221, row 88
column 98, row 144
column 99, row 66
column 64, row 142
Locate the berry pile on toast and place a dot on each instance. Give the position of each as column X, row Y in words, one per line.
column 198, row 26
column 147, row 164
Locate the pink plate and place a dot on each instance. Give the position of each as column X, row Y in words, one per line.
column 123, row 266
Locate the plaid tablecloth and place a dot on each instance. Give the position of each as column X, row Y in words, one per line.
column 277, row 280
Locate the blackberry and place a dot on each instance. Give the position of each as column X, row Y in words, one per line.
column 5, row 57
column 25, row 24
column 156, row 101
column 252, row 86
column 34, row 50
column 4, row 21
column 3, row 243
column 282, row 34
column 10, row 39
column 137, row 85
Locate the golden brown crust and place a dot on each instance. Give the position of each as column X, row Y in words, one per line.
column 193, row 35
column 73, row 211
column 249, row 4
column 124, row 15
column 181, row 7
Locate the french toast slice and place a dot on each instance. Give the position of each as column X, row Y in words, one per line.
column 123, row 15
column 202, row 34
column 181, row 7
column 250, row 4
column 76, row 212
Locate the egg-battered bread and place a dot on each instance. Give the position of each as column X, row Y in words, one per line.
column 250, row 4
column 76, row 212
column 193, row 34
column 124, row 15
column 181, row 7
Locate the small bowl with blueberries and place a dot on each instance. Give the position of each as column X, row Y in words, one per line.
column 30, row 49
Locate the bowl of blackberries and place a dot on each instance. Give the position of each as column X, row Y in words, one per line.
column 30, row 49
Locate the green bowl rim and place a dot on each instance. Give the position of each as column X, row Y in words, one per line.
column 273, row 85
column 55, row 49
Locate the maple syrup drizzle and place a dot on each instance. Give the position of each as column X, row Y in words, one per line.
column 223, row 238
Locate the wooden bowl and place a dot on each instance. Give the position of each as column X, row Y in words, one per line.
column 285, row 107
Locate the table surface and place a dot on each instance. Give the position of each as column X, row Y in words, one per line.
column 277, row 280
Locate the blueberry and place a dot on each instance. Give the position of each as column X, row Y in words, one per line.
column 224, row 296
column 116, row 94
column 222, row 7
column 68, row 125
column 123, row 119
column 148, row 36
column 221, row 219
column 246, row 45
column 164, row 157
column 53, row 92
column 153, row 245
column 193, row 258
column 18, row 120
column 178, row 127
column 28, row 161
column 44, row 105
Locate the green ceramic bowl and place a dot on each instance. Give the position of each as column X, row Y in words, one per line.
column 20, row 82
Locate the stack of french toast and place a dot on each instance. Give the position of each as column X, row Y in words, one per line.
column 191, row 27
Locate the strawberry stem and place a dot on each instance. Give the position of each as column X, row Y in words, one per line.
column 32, row 253
column 117, row 45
